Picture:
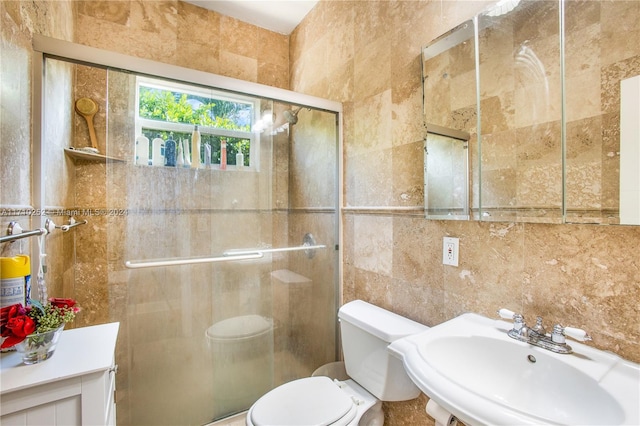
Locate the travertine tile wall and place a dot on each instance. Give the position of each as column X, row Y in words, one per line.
column 367, row 55
column 182, row 34
column 584, row 275
column 18, row 21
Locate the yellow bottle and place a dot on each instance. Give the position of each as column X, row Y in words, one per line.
column 15, row 280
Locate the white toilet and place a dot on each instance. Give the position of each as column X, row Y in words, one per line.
column 376, row 375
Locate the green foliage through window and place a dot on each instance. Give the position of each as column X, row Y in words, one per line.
column 175, row 107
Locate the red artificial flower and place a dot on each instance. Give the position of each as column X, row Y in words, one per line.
column 59, row 302
column 15, row 325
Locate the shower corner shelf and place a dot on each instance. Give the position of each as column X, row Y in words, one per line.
column 81, row 155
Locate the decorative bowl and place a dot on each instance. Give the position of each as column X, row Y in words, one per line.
column 38, row 347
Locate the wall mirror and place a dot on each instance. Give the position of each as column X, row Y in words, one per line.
column 450, row 111
column 537, row 85
column 446, row 181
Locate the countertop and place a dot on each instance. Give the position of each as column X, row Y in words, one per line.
column 80, row 351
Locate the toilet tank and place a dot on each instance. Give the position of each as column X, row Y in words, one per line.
column 366, row 332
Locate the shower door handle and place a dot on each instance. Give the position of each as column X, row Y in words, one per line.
column 273, row 250
column 156, row 263
column 309, row 246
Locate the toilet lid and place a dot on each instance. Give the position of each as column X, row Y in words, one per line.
column 309, row 401
column 239, row 327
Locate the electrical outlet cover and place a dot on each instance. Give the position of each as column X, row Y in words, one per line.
column 450, row 247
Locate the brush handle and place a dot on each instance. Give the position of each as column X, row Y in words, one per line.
column 92, row 130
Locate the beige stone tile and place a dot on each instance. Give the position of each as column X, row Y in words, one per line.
column 373, row 245
column 197, row 25
column 373, row 288
column 486, row 279
column 410, row 34
column 585, row 276
column 404, row 83
column 155, row 17
column 496, row 114
column 194, row 55
column 610, row 160
column 408, row 179
column 133, row 41
column 536, row 20
column 495, row 43
column 584, row 163
column 237, row 66
column 373, row 129
column 367, row 176
column 620, row 28
column 417, row 258
column 371, row 23
column 537, row 102
column 341, row 83
column 582, row 49
column 230, row 41
column 539, row 186
column 312, row 64
column 273, row 75
column 272, row 48
column 372, row 68
column 118, row 12
column 499, row 150
column 582, row 95
column 580, row 14
column 91, row 292
column 463, row 93
column 408, row 120
column 465, row 119
column 437, row 90
column 340, row 47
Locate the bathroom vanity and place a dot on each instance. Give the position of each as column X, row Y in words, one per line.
column 76, row 386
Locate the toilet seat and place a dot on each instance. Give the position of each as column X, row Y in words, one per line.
column 309, row 401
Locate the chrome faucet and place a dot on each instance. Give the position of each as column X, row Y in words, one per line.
column 537, row 335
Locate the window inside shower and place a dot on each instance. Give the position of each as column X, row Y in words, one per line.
column 168, row 110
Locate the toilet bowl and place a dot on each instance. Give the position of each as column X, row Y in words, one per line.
column 241, row 373
column 375, row 376
column 313, row 401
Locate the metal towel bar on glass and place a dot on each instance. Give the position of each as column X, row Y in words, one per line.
column 15, row 231
column 227, row 256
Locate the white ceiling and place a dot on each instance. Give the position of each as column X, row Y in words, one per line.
column 281, row 16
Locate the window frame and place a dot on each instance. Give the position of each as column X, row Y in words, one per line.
column 207, row 92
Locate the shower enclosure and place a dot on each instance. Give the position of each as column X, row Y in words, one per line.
column 224, row 277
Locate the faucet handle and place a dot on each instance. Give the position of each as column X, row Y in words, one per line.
column 577, row 334
column 506, row 314
column 559, row 333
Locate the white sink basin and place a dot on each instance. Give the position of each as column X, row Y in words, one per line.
column 472, row 368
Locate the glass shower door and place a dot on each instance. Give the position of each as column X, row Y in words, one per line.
column 201, row 341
